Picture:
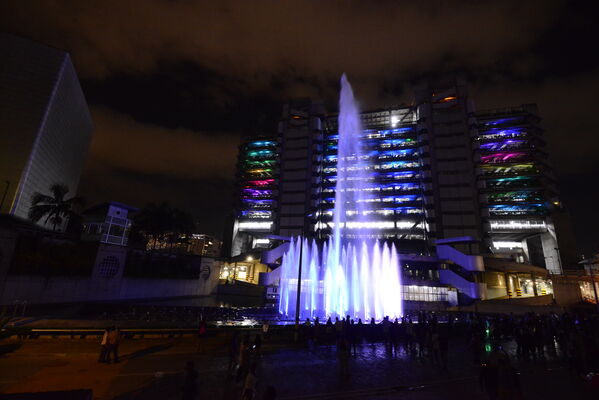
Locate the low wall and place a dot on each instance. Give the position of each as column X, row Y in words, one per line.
column 518, row 305
column 37, row 289
column 242, row 289
column 566, row 291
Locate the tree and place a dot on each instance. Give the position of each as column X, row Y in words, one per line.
column 54, row 207
column 160, row 223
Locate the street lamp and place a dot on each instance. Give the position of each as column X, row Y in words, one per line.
column 299, row 287
column 589, row 263
column 7, row 183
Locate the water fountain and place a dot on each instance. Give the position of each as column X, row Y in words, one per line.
column 349, row 274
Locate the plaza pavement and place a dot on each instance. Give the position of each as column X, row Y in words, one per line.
column 151, row 369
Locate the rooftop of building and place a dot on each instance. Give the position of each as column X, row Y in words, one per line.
column 103, row 207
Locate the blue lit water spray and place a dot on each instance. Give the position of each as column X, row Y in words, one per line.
column 349, row 274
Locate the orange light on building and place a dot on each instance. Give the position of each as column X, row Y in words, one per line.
column 446, row 99
column 296, row 117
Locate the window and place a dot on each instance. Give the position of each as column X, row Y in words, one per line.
column 109, row 266
column 116, row 230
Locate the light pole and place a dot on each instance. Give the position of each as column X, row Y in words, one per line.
column 299, row 288
column 4, row 195
column 590, row 263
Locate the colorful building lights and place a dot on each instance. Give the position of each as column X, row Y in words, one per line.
column 519, row 209
column 262, row 143
column 502, row 121
column 507, row 245
column 502, row 157
column 507, row 144
column 261, row 182
column 260, row 153
column 399, row 164
column 518, row 225
column 257, row 225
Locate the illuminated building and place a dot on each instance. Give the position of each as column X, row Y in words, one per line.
column 518, row 193
column 204, row 245
column 438, row 171
column 256, row 194
column 45, row 123
column 244, row 268
column 396, row 180
column 199, row 244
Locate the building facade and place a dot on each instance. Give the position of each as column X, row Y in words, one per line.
column 108, row 223
column 45, row 123
column 438, row 169
column 256, row 194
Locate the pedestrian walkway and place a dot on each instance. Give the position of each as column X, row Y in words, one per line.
column 151, row 369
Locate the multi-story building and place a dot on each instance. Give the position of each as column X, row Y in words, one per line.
column 396, row 180
column 202, row 244
column 517, row 187
column 45, row 124
column 437, row 170
column 256, row 199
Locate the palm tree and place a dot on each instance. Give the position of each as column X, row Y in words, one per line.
column 54, row 207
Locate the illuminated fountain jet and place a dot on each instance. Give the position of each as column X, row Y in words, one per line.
column 349, row 274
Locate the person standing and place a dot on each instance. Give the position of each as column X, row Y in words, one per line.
column 113, row 344
column 265, row 328
column 249, row 385
column 338, row 328
column 257, row 345
column 270, row 393
column 104, row 347
column 233, row 352
column 201, row 334
column 343, row 353
column 316, row 331
column 243, row 360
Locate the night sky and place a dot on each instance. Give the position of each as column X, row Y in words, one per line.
column 174, row 85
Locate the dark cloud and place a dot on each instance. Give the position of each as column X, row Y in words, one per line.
column 251, row 37
column 178, row 82
column 121, row 143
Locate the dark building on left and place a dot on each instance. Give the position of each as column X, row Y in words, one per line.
column 45, row 123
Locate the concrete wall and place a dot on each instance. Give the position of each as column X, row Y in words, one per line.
column 566, row 291
column 8, row 239
column 105, row 283
column 38, row 289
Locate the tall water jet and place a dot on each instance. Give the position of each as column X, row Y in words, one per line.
column 350, row 274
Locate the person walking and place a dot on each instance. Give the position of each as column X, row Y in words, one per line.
column 113, row 344
column 104, row 347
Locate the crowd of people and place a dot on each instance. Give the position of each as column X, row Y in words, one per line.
column 183, row 316
column 497, row 343
column 244, row 355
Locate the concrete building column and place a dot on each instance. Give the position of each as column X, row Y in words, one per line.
column 506, row 277
column 534, row 284
column 8, row 242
